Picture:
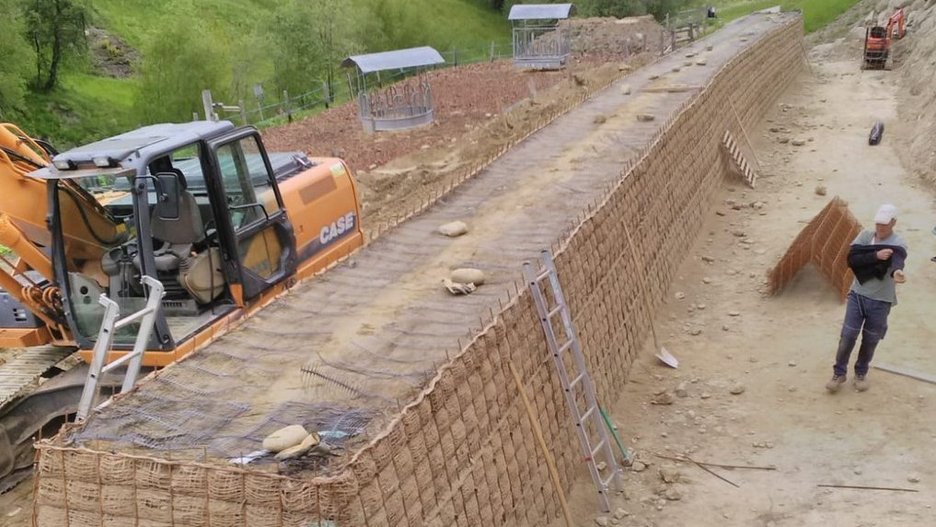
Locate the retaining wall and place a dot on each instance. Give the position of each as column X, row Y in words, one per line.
column 463, row 453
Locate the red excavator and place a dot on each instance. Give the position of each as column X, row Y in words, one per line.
column 878, row 40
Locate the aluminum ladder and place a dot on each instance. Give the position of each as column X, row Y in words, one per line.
column 590, row 426
column 109, row 326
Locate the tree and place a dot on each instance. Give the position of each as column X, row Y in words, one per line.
column 395, row 25
column 178, row 63
column 57, row 32
column 309, row 39
column 17, row 56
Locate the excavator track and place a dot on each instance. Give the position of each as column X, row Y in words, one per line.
column 29, row 401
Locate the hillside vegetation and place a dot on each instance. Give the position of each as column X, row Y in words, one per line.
column 176, row 48
column 125, row 63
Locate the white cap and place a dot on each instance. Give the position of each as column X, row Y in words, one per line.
column 885, row 214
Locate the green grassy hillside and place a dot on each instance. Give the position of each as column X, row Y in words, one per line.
column 816, row 13
column 88, row 106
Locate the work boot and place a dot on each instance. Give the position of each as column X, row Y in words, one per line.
column 836, row 383
column 861, row 383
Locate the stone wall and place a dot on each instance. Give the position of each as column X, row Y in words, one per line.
column 463, row 453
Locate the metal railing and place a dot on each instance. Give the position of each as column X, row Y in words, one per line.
column 109, row 326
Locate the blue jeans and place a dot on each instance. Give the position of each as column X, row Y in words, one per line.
column 868, row 317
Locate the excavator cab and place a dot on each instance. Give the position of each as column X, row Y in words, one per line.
column 202, row 213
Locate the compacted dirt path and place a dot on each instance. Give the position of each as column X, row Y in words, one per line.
column 729, row 336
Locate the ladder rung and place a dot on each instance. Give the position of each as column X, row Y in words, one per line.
column 542, row 276
column 576, row 380
column 607, row 482
column 565, row 347
column 586, row 415
column 597, row 448
column 552, row 312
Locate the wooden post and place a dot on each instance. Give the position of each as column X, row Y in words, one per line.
column 325, row 94
column 208, row 106
column 538, row 432
column 243, row 111
column 288, row 106
column 492, row 51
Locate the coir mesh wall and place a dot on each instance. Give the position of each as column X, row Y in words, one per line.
column 463, row 452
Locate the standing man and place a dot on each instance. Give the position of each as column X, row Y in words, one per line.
column 877, row 259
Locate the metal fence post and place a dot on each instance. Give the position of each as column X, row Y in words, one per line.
column 243, row 111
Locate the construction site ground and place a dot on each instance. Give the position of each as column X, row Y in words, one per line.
column 344, row 351
column 729, row 336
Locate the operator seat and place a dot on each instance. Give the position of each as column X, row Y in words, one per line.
column 177, row 235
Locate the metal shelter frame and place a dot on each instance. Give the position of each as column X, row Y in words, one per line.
column 386, row 104
column 538, row 40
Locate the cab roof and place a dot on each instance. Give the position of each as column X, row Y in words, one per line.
column 133, row 150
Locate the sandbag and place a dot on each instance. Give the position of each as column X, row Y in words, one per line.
column 310, row 442
column 284, row 438
column 468, row 275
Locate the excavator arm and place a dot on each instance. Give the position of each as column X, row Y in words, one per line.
column 26, row 273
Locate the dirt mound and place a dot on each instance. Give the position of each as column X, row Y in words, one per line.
column 602, row 36
column 916, row 61
column 405, row 183
column 464, row 96
column 111, row 55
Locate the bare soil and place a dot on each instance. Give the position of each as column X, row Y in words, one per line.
column 780, row 350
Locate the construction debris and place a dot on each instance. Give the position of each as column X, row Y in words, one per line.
column 877, row 133
column 906, row 373
column 458, row 289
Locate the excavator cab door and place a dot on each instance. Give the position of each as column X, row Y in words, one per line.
column 257, row 239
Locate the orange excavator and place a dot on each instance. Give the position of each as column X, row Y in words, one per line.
column 878, row 39
column 202, row 207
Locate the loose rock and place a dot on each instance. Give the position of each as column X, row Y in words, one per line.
column 663, row 399
column 681, row 390
column 638, row 466
column 645, row 117
column 798, row 142
column 680, row 295
column 820, row 190
column 626, row 89
column 453, row 229
column 673, row 494
column 602, row 521
column 670, row 474
column 620, row 513
column 737, row 389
